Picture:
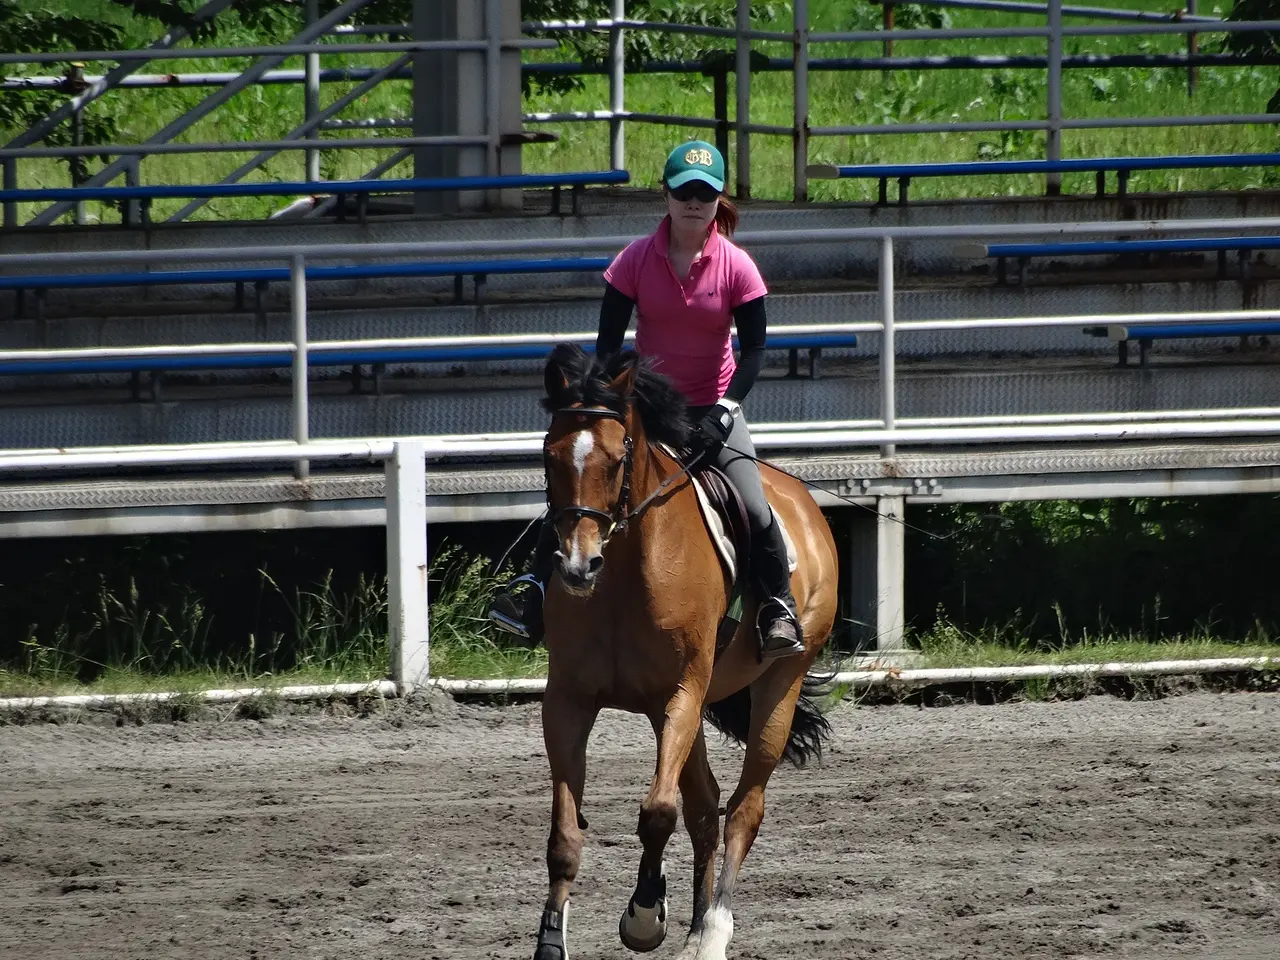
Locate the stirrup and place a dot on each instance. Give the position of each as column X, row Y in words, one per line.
column 790, row 649
column 510, row 625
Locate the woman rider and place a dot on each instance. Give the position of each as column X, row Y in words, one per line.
column 691, row 284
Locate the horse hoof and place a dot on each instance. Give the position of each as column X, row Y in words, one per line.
column 642, row 929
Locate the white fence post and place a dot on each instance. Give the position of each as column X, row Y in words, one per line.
column 891, row 551
column 406, row 494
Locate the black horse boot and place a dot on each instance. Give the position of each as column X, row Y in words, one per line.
column 518, row 608
column 776, row 621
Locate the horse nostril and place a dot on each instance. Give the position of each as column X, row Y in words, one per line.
column 594, row 565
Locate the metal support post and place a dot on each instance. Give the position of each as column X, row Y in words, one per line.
column 493, row 86
column 1193, row 47
column 887, row 347
column 10, row 167
column 131, row 210
column 617, row 88
column 406, row 493
column 720, row 99
column 311, row 101
column 742, row 115
column 800, row 73
column 888, row 28
column 298, row 302
column 1053, row 87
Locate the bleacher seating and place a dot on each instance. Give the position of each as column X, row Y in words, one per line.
column 1025, row 252
column 361, row 190
column 1123, row 167
column 1145, row 333
column 260, row 277
column 811, row 337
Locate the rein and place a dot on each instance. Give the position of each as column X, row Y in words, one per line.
column 620, row 517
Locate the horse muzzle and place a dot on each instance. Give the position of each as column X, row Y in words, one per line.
column 578, row 573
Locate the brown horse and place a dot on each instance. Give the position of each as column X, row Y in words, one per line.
column 631, row 623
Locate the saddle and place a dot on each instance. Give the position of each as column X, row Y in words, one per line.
column 725, row 516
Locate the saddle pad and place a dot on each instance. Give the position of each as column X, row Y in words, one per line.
column 724, row 543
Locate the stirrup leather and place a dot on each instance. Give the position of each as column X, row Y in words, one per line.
column 502, row 621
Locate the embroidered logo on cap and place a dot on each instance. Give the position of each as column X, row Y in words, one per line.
column 698, row 155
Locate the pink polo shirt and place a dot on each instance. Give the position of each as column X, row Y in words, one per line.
column 687, row 328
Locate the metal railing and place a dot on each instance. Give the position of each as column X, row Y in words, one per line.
column 306, row 43
column 801, row 38
column 887, row 433
column 741, row 64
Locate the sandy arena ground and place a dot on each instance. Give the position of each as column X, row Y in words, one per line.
column 1098, row 828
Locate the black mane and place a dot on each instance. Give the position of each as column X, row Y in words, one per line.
column 573, row 376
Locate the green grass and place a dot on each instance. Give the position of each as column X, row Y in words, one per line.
column 836, row 98
column 335, row 638
column 946, row 645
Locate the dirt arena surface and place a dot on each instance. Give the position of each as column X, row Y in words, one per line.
column 1097, row 828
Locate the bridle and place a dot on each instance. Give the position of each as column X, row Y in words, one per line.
column 616, row 520
column 613, row 521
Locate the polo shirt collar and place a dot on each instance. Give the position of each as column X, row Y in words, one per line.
column 662, row 239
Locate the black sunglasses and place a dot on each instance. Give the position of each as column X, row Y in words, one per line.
column 695, row 190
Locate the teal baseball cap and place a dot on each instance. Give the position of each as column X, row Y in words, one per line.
column 694, row 160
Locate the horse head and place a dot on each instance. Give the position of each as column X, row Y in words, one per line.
column 599, row 414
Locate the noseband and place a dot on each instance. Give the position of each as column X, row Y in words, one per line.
column 618, row 519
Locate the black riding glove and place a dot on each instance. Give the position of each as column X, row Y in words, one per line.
column 715, row 427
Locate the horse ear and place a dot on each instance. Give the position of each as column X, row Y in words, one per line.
column 555, row 383
column 624, row 384
column 565, row 358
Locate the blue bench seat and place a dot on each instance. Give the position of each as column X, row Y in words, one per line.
column 813, row 337
column 1145, row 333
column 361, row 190
column 261, row 276
column 1025, row 252
column 1123, row 167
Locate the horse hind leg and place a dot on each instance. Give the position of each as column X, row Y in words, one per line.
column 643, row 926
column 566, row 726
column 773, row 704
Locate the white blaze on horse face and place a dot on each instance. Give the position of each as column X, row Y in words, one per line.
column 583, row 444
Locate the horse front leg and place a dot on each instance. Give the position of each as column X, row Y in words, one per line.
column 773, row 702
column 643, row 926
column 566, row 726
column 701, row 796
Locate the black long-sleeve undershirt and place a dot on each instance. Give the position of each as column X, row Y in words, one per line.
column 749, row 318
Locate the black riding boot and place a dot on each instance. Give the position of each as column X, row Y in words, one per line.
column 776, row 621
column 522, row 615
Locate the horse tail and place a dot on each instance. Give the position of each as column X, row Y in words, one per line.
column 809, row 728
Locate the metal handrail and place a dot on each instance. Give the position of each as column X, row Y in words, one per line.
column 548, row 245
column 262, row 50
column 889, row 436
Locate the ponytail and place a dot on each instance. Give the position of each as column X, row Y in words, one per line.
column 726, row 216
